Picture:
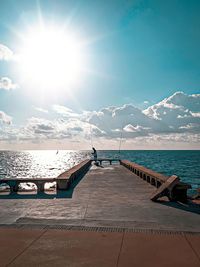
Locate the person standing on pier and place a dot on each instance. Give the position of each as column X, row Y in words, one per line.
column 94, row 153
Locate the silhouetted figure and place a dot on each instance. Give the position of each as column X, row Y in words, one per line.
column 94, row 153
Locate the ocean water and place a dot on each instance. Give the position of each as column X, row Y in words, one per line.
column 49, row 163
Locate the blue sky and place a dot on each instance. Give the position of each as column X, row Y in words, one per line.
column 135, row 51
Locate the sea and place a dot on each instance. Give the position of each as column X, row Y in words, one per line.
column 50, row 163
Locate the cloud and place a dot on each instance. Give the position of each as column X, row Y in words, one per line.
column 62, row 110
column 176, row 111
column 43, row 129
column 40, row 126
column 132, row 129
column 195, row 114
column 177, row 116
column 5, row 118
column 193, row 127
column 41, row 110
column 7, row 84
column 66, row 112
column 113, row 119
column 5, row 53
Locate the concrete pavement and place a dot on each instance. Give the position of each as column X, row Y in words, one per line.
column 47, row 247
column 110, row 196
column 107, row 219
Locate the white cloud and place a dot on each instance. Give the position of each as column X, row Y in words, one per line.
column 43, row 129
column 5, row 53
column 195, row 114
column 191, row 126
column 114, row 118
column 172, row 119
column 39, row 126
column 190, row 102
column 177, row 110
column 5, row 118
column 165, row 141
column 7, row 84
column 66, row 112
column 132, row 129
column 62, row 110
column 41, row 110
column 183, row 116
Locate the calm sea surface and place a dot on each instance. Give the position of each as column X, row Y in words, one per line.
column 49, row 163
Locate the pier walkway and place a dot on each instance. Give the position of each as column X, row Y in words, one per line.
column 108, row 220
column 108, row 196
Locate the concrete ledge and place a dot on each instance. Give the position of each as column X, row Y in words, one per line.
column 145, row 173
column 179, row 191
column 63, row 180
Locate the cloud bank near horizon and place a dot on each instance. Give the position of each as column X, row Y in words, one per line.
column 174, row 119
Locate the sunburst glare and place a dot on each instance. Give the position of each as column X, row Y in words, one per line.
column 50, row 58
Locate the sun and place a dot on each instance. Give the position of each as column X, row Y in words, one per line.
column 50, row 58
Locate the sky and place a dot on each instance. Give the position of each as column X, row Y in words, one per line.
column 76, row 74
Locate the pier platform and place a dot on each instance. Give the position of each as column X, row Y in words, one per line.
column 106, row 219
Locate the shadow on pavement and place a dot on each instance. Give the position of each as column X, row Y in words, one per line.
column 189, row 207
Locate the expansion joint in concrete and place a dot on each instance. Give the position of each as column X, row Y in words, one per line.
column 190, row 244
column 35, row 240
column 120, row 249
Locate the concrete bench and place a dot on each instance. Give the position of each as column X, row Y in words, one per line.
column 100, row 160
column 13, row 183
column 63, row 181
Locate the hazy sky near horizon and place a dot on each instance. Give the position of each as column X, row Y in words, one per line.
column 64, row 63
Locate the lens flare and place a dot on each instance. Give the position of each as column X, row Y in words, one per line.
column 50, row 58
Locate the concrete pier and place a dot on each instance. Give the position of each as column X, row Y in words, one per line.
column 108, row 212
column 105, row 196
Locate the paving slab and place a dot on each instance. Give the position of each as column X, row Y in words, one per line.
column 90, row 247
column 194, row 241
column 164, row 250
column 72, row 248
column 13, row 242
